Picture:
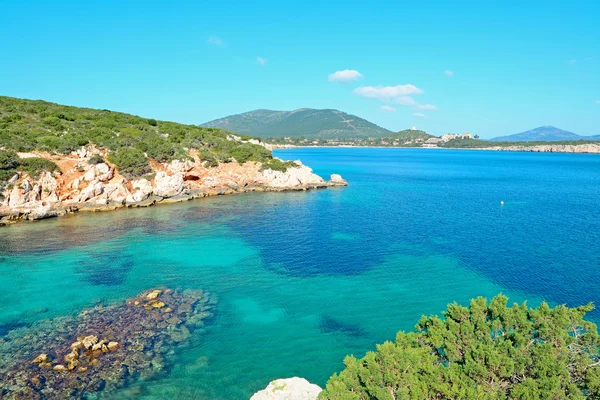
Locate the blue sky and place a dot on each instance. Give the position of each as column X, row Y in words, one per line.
column 443, row 66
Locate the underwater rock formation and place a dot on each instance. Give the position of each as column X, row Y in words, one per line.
column 101, row 349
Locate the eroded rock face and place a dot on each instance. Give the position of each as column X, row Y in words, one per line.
column 288, row 389
column 82, row 186
column 301, row 176
column 101, row 349
column 168, row 186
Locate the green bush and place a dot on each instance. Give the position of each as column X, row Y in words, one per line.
column 35, row 166
column 276, row 164
column 160, row 149
column 484, row 351
column 95, row 159
column 27, row 125
column 8, row 159
column 130, row 162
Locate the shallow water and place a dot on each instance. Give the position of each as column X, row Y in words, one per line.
column 305, row 278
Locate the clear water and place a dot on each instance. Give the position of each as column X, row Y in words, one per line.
column 305, row 278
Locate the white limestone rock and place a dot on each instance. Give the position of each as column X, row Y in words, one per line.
column 15, row 198
column 142, row 189
column 301, row 176
column 288, row 389
column 94, row 189
column 168, row 186
column 180, row 166
column 337, row 180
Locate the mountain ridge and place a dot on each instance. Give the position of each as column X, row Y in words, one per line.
column 303, row 122
column 545, row 133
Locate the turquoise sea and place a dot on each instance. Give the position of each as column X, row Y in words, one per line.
column 304, row 278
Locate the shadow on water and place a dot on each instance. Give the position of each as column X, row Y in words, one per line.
column 7, row 327
column 328, row 324
column 105, row 268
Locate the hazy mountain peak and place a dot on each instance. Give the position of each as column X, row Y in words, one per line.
column 308, row 122
column 547, row 133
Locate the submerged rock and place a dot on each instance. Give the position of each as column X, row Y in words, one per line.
column 101, row 349
column 288, row 389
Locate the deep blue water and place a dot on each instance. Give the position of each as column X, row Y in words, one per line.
column 305, row 278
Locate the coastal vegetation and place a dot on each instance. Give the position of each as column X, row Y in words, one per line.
column 10, row 162
column 484, row 351
column 130, row 141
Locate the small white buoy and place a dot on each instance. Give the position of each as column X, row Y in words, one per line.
column 501, row 203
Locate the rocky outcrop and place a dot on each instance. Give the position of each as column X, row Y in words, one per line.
column 168, row 185
column 299, row 177
column 288, row 389
column 84, row 186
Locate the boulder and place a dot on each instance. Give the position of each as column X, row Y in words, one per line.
column 26, row 186
column 14, row 178
column 15, row 198
column 288, row 389
column 337, row 180
column 94, row 189
column 142, row 189
column 42, row 213
column 104, row 172
column 90, row 175
column 299, row 177
column 168, row 186
column 180, row 166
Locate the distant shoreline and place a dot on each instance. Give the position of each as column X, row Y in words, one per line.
column 549, row 148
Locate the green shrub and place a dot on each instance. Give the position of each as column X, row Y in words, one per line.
column 8, row 159
column 130, row 162
column 27, row 125
column 95, row 159
column 485, row 351
column 35, row 166
column 276, row 164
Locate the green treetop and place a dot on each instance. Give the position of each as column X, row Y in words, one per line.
column 484, row 351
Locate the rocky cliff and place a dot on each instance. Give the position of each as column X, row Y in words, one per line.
column 82, row 185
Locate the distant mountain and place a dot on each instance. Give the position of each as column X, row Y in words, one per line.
column 307, row 122
column 544, row 134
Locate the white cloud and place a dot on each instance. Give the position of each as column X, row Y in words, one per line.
column 419, row 115
column 597, row 101
column 215, row 41
column 261, row 61
column 425, row 107
column 572, row 62
column 387, row 109
column 346, row 75
column 387, row 92
column 448, row 73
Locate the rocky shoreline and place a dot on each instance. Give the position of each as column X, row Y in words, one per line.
column 82, row 186
column 588, row 148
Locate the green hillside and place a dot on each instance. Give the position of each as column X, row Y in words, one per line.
column 305, row 122
column 131, row 141
column 410, row 135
